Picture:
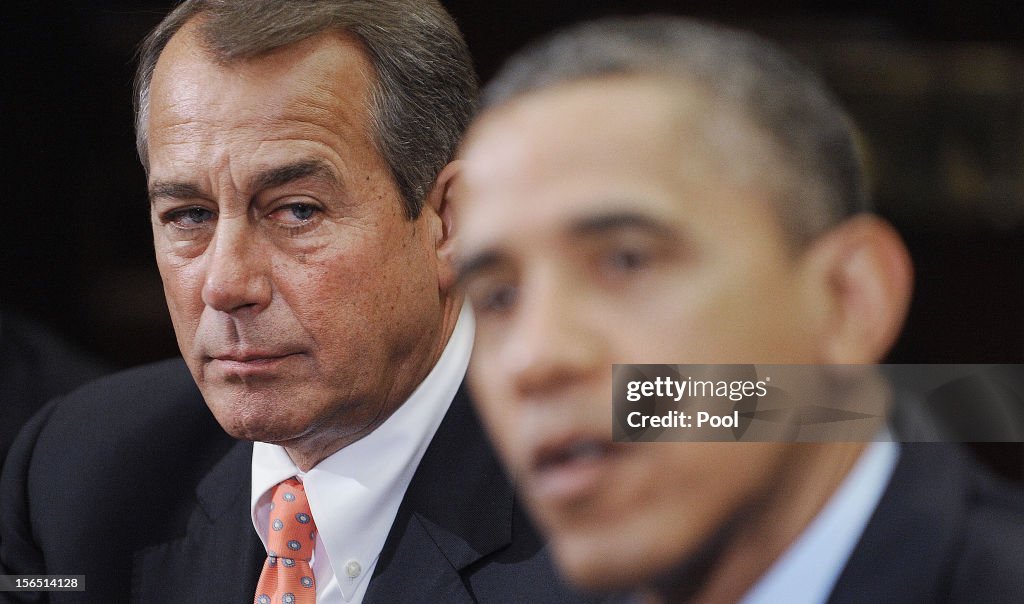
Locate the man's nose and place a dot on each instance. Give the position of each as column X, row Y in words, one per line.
column 555, row 344
column 237, row 268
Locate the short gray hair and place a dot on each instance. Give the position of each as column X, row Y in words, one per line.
column 780, row 97
column 425, row 90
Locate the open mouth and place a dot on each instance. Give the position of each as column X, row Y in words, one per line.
column 577, row 452
column 570, row 469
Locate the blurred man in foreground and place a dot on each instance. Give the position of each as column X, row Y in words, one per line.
column 662, row 191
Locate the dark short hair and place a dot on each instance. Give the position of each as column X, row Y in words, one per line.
column 425, row 90
column 781, row 98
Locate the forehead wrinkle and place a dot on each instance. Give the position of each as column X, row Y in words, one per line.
column 308, row 87
column 198, row 150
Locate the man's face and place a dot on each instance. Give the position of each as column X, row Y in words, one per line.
column 305, row 303
column 621, row 221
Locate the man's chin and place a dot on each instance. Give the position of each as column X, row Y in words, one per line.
column 625, row 556
column 256, row 416
column 597, row 565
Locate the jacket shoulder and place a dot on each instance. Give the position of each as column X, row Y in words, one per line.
column 131, row 394
column 990, row 564
column 116, row 462
column 945, row 530
column 136, row 424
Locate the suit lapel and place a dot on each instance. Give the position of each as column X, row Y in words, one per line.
column 907, row 544
column 457, row 510
column 219, row 558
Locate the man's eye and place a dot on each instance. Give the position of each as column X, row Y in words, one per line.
column 494, row 299
column 295, row 213
column 190, row 218
column 302, row 211
column 627, row 260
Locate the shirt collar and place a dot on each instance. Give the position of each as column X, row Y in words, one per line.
column 355, row 493
column 809, row 569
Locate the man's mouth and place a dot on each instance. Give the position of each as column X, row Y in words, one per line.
column 570, row 468
column 576, row 452
column 251, row 362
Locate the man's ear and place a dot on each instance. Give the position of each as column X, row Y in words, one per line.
column 440, row 201
column 867, row 276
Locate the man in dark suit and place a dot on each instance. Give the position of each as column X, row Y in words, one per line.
column 664, row 191
column 297, row 156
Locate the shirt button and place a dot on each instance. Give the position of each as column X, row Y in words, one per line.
column 352, row 569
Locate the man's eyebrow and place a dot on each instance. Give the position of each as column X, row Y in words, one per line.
column 273, row 177
column 174, row 190
column 598, row 224
column 281, row 175
column 478, row 263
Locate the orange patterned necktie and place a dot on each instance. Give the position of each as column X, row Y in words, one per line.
column 287, row 577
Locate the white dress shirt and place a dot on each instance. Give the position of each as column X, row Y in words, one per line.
column 355, row 493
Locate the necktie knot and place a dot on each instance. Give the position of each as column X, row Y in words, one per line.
column 292, row 533
column 287, row 576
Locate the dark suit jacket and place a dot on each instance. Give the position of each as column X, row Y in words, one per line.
column 131, row 482
column 35, row 366
column 945, row 530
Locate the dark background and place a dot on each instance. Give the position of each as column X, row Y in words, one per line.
column 937, row 93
